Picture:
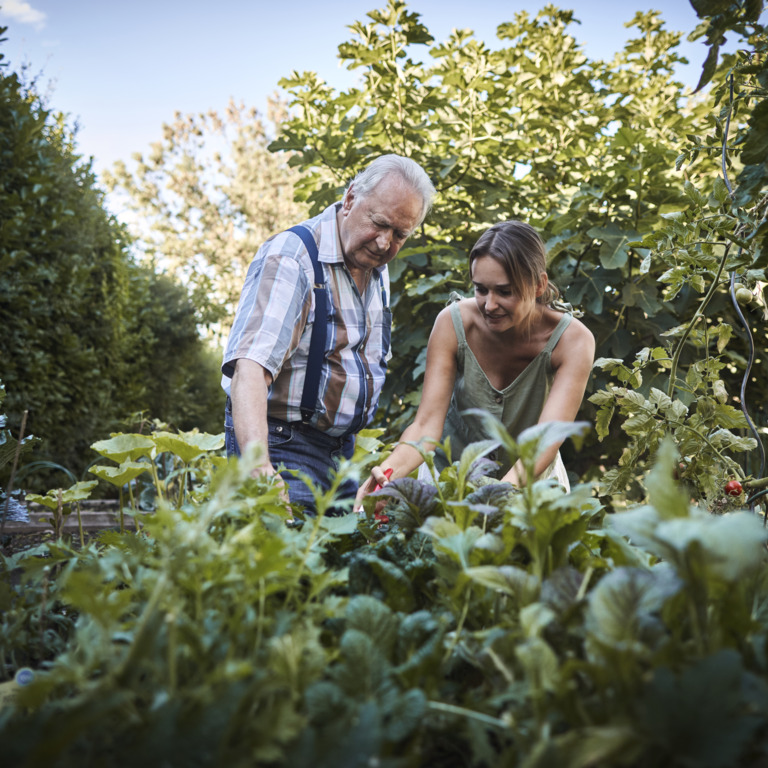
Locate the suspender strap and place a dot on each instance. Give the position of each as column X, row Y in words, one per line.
column 319, row 329
column 384, row 303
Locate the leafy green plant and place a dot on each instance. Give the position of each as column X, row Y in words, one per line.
column 713, row 243
column 520, row 628
column 61, row 501
column 185, row 461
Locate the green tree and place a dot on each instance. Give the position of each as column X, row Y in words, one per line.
column 87, row 336
column 582, row 149
column 62, row 279
column 174, row 373
column 599, row 156
column 204, row 199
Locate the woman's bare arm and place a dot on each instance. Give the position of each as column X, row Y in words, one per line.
column 427, row 427
column 572, row 359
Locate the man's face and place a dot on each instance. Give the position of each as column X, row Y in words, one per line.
column 374, row 228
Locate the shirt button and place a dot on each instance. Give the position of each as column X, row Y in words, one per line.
column 498, row 398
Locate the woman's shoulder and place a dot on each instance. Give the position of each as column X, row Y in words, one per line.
column 467, row 309
column 555, row 314
column 445, row 328
column 576, row 340
column 577, row 330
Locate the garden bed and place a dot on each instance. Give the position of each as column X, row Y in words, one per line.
column 96, row 515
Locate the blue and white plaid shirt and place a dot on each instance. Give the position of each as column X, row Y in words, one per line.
column 273, row 326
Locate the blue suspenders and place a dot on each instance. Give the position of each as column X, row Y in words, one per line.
column 319, row 329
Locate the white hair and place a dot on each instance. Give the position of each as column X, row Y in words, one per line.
column 408, row 170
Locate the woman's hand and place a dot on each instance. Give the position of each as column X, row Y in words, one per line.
column 378, row 479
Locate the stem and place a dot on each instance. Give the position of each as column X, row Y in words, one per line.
column 312, row 536
column 141, row 628
column 584, row 583
column 757, row 484
column 699, row 313
column 499, row 664
column 80, row 525
column 462, row 712
column 58, row 516
column 459, row 627
column 43, row 603
column 134, row 507
column 262, row 613
column 172, row 660
column 156, row 478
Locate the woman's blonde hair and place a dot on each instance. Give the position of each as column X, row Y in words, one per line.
column 519, row 249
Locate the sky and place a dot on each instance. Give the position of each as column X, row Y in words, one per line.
column 122, row 68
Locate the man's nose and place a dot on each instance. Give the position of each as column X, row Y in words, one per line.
column 384, row 240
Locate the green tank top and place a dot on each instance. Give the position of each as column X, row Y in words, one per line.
column 518, row 406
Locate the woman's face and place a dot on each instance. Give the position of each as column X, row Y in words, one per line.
column 493, row 293
column 495, row 296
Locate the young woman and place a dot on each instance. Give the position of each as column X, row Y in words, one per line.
column 509, row 351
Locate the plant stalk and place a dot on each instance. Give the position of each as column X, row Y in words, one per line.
column 695, row 319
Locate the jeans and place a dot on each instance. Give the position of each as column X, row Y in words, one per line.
column 300, row 446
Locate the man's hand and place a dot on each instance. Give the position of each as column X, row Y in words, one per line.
column 269, row 472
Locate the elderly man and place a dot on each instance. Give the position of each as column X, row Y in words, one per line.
column 307, row 355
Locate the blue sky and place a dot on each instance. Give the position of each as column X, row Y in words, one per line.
column 121, row 68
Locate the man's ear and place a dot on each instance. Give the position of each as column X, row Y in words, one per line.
column 349, row 199
column 543, row 283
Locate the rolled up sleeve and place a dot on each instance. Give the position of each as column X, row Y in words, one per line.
column 271, row 315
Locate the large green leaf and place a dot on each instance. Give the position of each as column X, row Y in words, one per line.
column 187, row 445
column 682, row 717
column 77, row 492
column 121, row 475
column 624, row 610
column 125, row 447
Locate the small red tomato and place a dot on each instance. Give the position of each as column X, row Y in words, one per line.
column 733, row 488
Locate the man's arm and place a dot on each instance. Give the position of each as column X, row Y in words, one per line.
column 250, row 386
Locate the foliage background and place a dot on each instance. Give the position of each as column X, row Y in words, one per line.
column 594, row 154
column 618, row 166
column 88, row 336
